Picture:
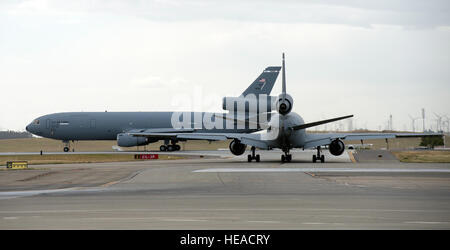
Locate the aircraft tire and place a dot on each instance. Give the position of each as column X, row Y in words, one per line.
column 322, row 158
column 257, row 158
column 66, row 149
column 249, row 158
column 314, row 158
column 288, row 158
column 163, row 148
column 283, row 158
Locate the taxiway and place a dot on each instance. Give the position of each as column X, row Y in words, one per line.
column 228, row 193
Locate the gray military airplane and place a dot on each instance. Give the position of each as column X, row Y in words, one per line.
column 285, row 130
column 74, row 126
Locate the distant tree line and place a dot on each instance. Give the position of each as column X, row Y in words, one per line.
column 14, row 134
column 432, row 141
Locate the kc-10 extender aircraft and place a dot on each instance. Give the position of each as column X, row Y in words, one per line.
column 75, row 126
column 285, row 130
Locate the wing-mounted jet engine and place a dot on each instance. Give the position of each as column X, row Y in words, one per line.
column 336, row 147
column 237, row 148
column 127, row 140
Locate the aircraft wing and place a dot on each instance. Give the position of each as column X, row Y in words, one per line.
column 249, row 139
column 314, row 140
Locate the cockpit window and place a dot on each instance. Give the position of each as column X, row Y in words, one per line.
column 36, row 121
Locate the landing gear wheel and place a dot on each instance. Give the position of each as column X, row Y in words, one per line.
column 288, row 158
column 319, row 157
column 170, row 148
column 253, row 156
column 163, row 148
column 66, row 149
column 177, row 147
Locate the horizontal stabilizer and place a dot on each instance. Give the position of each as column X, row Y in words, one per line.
column 313, row 124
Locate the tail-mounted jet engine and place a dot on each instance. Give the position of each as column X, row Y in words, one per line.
column 250, row 103
column 284, row 104
column 237, row 148
column 126, row 140
column 337, row 147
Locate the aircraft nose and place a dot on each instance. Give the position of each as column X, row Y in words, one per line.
column 29, row 128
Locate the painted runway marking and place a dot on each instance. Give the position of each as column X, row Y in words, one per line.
column 25, row 193
column 15, row 194
column 263, row 221
column 321, row 170
column 184, row 220
column 333, row 210
column 425, row 222
column 10, row 218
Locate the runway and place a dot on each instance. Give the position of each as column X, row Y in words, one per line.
column 228, row 193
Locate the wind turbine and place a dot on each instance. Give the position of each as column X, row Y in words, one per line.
column 447, row 120
column 413, row 122
column 423, row 119
column 438, row 122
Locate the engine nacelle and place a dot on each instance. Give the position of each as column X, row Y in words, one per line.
column 127, row 140
column 284, row 104
column 249, row 103
column 336, row 147
column 237, row 148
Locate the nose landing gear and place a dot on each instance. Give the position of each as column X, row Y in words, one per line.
column 67, row 146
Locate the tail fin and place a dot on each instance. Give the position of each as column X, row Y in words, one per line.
column 284, row 78
column 264, row 83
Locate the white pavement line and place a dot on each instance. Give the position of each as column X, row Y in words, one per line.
column 263, row 221
column 176, row 210
column 184, row 220
column 10, row 218
column 318, row 170
column 425, row 222
column 18, row 194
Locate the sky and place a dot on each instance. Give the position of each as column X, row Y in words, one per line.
column 371, row 59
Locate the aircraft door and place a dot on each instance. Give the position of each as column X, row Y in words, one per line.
column 92, row 123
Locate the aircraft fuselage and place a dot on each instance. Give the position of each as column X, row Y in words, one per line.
column 106, row 125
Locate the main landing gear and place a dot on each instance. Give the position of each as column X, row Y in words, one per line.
column 173, row 147
column 170, row 147
column 253, row 156
column 286, row 157
column 319, row 156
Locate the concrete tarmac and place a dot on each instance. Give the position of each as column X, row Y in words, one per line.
column 189, row 194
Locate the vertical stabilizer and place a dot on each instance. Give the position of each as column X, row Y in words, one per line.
column 283, row 90
column 264, row 83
